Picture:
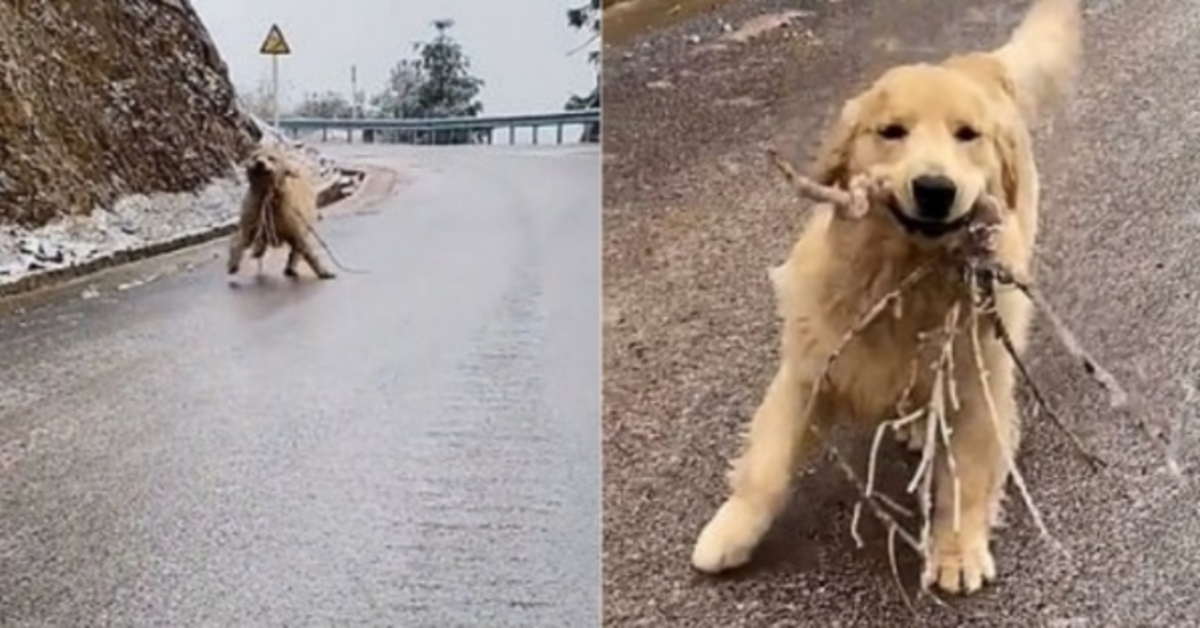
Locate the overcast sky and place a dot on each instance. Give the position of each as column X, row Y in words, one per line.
column 519, row 47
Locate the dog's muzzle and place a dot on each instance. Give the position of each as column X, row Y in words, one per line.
column 927, row 228
column 933, row 197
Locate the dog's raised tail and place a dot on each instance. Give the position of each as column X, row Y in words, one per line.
column 1043, row 54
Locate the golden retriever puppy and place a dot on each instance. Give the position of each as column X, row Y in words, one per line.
column 941, row 136
column 280, row 208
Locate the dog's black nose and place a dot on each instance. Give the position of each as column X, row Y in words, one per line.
column 934, row 195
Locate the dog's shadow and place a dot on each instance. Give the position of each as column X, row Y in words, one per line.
column 261, row 294
column 816, row 532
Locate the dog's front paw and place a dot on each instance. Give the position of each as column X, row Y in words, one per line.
column 730, row 537
column 959, row 562
column 325, row 274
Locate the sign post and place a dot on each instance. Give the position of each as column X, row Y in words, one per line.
column 275, row 46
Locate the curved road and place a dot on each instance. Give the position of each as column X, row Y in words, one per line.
column 411, row 447
column 693, row 217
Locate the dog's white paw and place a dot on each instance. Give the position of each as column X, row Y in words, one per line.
column 959, row 563
column 730, row 537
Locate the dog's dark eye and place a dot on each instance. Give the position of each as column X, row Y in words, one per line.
column 893, row 132
column 966, row 133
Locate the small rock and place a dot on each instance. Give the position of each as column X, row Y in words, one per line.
column 693, row 39
column 53, row 255
column 90, row 292
column 82, row 250
column 41, row 251
column 29, row 246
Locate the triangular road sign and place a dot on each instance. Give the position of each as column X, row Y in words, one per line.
column 275, row 44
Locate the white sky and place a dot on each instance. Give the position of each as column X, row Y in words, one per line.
column 519, row 47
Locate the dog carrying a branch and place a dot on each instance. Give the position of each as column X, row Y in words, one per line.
column 902, row 300
column 279, row 209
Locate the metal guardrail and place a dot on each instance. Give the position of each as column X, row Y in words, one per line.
column 456, row 130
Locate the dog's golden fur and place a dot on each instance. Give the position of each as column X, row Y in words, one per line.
column 280, row 208
column 967, row 120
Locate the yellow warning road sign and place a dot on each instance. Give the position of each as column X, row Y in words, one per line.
column 275, row 44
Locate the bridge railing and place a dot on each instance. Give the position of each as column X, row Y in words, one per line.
column 480, row 130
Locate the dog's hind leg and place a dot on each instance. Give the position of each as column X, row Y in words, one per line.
column 293, row 257
column 301, row 247
column 761, row 478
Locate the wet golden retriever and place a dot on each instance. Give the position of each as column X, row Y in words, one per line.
column 279, row 209
column 941, row 135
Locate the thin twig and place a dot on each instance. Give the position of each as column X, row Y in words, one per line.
column 585, row 44
column 895, row 424
column 882, row 515
column 1117, row 397
column 894, row 505
column 850, row 204
column 1009, row 456
column 1095, row 461
column 896, row 571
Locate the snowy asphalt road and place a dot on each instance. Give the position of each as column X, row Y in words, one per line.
column 415, row 446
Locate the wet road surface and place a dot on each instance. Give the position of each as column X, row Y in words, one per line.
column 693, row 218
column 411, row 447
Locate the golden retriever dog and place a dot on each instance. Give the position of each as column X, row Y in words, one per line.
column 280, row 208
column 941, row 136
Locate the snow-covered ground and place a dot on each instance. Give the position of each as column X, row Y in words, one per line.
column 142, row 220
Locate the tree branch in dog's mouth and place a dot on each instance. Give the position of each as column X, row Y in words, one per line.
column 854, row 203
column 977, row 256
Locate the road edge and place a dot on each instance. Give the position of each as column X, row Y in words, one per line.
column 368, row 177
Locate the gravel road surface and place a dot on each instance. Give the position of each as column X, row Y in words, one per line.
column 693, row 218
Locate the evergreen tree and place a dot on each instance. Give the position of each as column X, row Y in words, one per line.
column 436, row 84
column 399, row 98
column 587, row 17
column 448, row 89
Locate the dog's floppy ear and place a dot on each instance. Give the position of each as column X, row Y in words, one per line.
column 832, row 165
column 1008, row 149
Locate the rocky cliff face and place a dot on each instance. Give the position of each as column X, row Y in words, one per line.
column 100, row 99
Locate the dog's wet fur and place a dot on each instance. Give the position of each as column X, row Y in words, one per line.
column 279, row 209
column 941, row 135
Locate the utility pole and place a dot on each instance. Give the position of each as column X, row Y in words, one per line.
column 354, row 91
column 275, row 90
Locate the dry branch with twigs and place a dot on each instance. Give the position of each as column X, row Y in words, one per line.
column 983, row 274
